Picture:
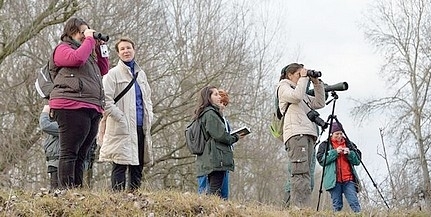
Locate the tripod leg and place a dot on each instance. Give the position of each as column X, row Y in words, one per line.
column 358, row 153
column 322, row 159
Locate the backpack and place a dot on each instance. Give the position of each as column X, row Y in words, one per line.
column 195, row 136
column 277, row 121
column 44, row 83
column 45, row 78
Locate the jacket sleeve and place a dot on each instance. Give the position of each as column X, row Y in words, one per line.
column 330, row 157
column 318, row 101
column 65, row 56
column 293, row 95
column 109, row 84
column 48, row 126
column 216, row 129
column 103, row 64
column 355, row 155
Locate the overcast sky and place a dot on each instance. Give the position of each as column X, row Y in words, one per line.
column 326, row 36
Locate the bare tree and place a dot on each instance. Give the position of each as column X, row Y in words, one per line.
column 17, row 113
column 183, row 45
column 50, row 13
column 400, row 29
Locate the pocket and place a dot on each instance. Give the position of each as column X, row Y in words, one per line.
column 298, row 157
column 222, row 157
column 122, row 126
column 69, row 82
column 116, row 127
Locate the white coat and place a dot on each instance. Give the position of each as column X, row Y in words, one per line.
column 120, row 140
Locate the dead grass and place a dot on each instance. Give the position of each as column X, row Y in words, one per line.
column 157, row 203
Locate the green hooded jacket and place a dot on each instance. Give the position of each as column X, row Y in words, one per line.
column 217, row 155
column 330, row 175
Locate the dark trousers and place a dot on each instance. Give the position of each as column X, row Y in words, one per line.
column 53, row 177
column 118, row 175
column 215, row 180
column 77, row 129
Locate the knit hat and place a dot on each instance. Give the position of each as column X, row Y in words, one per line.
column 336, row 127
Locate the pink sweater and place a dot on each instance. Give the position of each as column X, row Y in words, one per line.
column 65, row 56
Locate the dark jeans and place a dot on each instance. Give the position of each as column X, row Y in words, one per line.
column 53, row 180
column 215, row 181
column 77, row 129
column 118, row 175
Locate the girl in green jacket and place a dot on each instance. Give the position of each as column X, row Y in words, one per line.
column 217, row 157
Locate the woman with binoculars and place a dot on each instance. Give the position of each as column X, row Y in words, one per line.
column 299, row 132
column 77, row 99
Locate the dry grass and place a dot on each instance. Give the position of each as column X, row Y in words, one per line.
column 158, row 203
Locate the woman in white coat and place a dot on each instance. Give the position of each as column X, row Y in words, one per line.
column 127, row 139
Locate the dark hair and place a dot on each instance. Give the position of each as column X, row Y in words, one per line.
column 204, row 100
column 72, row 26
column 125, row 39
column 290, row 69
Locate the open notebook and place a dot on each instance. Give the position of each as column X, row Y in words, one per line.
column 242, row 130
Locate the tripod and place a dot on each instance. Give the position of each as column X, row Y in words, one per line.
column 349, row 144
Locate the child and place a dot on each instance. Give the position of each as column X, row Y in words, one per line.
column 340, row 176
column 51, row 145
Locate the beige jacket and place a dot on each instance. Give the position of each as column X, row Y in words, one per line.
column 119, row 143
column 296, row 121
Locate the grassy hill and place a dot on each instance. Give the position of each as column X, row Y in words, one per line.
column 141, row 203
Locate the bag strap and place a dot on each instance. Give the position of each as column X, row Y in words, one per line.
column 200, row 124
column 288, row 104
column 126, row 89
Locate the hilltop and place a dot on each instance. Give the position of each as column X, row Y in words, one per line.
column 141, row 203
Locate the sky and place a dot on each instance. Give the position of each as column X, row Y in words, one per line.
column 325, row 35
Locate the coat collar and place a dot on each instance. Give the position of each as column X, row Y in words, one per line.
column 212, row 107
column 127, row 68
column 215, row 108
column 289, row 82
